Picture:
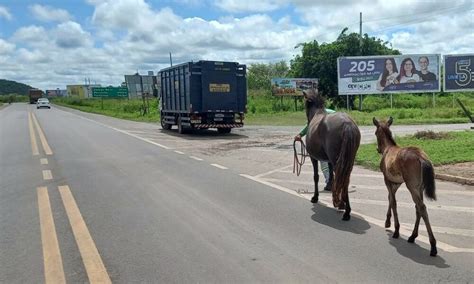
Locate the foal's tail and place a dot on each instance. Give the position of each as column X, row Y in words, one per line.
column 345, row 162
column 428, row 179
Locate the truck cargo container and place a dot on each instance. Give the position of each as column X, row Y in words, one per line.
column 34, row 95
column 202, row 95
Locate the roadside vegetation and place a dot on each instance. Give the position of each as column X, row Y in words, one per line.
column 438, row 146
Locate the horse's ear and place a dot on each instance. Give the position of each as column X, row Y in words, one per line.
column 376, row 123
column 305, row 95
column 390, row 121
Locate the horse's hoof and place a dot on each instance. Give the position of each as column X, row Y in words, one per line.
column 346, row 217
column 433, row 251
column 327, row 188
column 395, row 235
column 314, row 199
column 387, row 224
column 411, row 239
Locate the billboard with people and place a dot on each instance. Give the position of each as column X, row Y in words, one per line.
column 410, row 73
column 292, row 86
column 459, row 73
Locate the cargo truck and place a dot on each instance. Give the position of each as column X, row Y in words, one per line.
column 202, row 95
column 34, row 95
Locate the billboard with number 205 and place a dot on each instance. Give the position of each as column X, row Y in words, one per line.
column 412, row 73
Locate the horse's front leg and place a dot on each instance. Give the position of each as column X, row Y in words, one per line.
column 316, row 180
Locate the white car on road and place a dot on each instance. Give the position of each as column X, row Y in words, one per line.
column 43, row 102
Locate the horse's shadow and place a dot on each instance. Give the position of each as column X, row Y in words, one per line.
column 333, row 218
column 415, row 252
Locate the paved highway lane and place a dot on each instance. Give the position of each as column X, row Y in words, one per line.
column 158, row 215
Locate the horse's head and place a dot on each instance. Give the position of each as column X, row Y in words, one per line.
column 383, row 133
column 312, row 102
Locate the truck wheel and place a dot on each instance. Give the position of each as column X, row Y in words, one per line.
column 224, row 130
column 165, row 125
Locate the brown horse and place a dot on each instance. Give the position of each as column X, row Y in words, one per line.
column 409, row 165
column 334, row 138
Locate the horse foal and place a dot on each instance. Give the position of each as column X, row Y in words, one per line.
column 409, row 165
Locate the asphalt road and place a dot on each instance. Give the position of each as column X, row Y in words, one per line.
column 127, row 202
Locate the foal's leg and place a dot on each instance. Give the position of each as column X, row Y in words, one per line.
column 316, row 180
column 392, row 189
column 389, row 213
column 417, row 195
column 414, row 234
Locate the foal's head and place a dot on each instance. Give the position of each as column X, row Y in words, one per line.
column 383, row 134
column 312, row 102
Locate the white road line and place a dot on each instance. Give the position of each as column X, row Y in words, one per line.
column 119, row 130
column 380, row 223
column 219, row 166
column 196, row 158
column 47, row 175
column 44, row 161
column 352, row 174
column 273, row 171
column 179, row 152
column 374, row 187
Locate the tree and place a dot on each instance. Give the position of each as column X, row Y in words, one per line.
column 259, row 75
column 320, row 61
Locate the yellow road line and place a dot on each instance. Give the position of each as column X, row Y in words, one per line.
column 44, row 142
column 53, row 264
column 47, row 175
column 44, row 161
column 34, row 144
column 90, row 256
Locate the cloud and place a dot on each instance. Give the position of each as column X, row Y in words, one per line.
column 49, row 14
column 5, row 14
column 6, row 47
column 71, row 35
column 30, row 34
column 241, row 6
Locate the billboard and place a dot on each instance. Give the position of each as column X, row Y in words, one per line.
column 459, row 72
column 110, row 92
column 412, row 73
column 76, row 91
column 292, row 86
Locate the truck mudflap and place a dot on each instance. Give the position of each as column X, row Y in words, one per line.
column 215, row 125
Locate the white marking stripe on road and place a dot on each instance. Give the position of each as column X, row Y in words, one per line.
column 196, row 158
column 179, row 152
column 219, row 166
column 380, row 223
column 374, row 187
column 34, row 143
column 44, row 161
column 352, row 174
column 52, row 261
column 272, row 171
column 43, row 140
column 47, row 175
column 95, row 268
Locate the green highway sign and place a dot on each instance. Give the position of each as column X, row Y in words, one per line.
column 110, row 92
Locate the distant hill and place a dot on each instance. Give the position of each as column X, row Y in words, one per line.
column 12, row 87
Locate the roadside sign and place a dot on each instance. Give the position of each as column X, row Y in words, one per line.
column 459, row 73
column 110, row 92
column 292, row 86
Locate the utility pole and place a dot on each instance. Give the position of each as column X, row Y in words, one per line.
column 171, row 60
column 360, row 50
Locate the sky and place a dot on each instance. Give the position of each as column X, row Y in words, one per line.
column 50, row 44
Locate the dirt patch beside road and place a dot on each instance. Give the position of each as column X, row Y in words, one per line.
column 463, row 170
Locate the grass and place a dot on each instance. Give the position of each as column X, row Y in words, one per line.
column 454, row 147
column 265, row 109
column 119, row 108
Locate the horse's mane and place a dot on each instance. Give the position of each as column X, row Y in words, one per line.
column 388, row 134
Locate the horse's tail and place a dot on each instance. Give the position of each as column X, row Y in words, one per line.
column 345, row 161
column 428, row 179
